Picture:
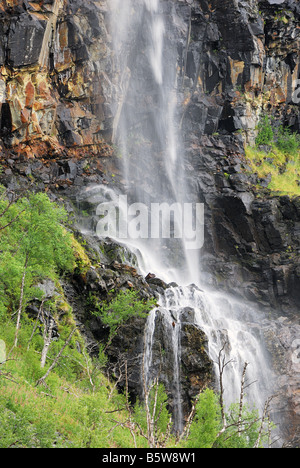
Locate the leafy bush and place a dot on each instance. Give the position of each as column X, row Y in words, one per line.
column 265, row 132
column 282, row 138
column 125, row 305
column 207, row 421
column 287, row 142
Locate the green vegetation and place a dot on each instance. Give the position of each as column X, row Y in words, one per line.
column 79, row 408
column 125, row 305
column 74, row 408
column 280, row 160
column 207, row 425
column 68, row 402
column 33, row 245
column 265, row 132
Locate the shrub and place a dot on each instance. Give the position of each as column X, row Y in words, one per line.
column 265, row 132
column 207, row 421
column 125, row 305
column 34, row 245
column 287, row 142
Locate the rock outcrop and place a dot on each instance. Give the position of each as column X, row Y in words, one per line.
column 54, row 63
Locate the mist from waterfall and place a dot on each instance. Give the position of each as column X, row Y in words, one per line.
column 147, row 133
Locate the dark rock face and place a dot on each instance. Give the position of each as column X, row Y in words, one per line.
column 251, row 243
column 197, row 368
column 29, row 32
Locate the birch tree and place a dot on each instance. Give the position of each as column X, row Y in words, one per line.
column 33, row 245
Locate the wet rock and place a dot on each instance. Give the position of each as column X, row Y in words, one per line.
column 197, row 368
column 282, row 339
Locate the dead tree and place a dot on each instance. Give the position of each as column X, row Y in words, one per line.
column 20, row 309
column 241, row 424
column 186, row 431
column 54, row 363
column 153, row 414
column 265, row 417
column 47, row 335
column 222, row 364
column 242, row 394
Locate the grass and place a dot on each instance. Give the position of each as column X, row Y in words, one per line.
column 67, row 413
column 284, row 169
column 280, row 159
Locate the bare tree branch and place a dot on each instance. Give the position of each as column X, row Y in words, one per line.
column 20, row 303
column 263, row 419
column 47, row 335
column 186, row 431
column 242, row 394
column 42, row 379
column 222, row 364
column 12, row 221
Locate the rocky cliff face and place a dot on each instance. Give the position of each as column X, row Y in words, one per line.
column 248, row 65
column 55, row 64
column 61, row 93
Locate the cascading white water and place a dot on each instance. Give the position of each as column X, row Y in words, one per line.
column 172, row 325
column 172, row 321
column 227, row 321
column 153, row 169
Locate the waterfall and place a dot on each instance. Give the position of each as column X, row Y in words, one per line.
column 147, row 132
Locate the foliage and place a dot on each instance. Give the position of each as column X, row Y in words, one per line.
column 32, row 241
column 77, row 409
column 283, row 171
column 125, row 305
column 206, row 427
column 280, row 137
column 288, row 142
column 83, row 262
column 249, row 429
column 265, row 132
column 17, row 428
column 207, row 421
column 80, row 409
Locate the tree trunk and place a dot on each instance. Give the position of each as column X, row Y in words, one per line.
column 21, row 302
column 47, row 342
column 42, row 380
